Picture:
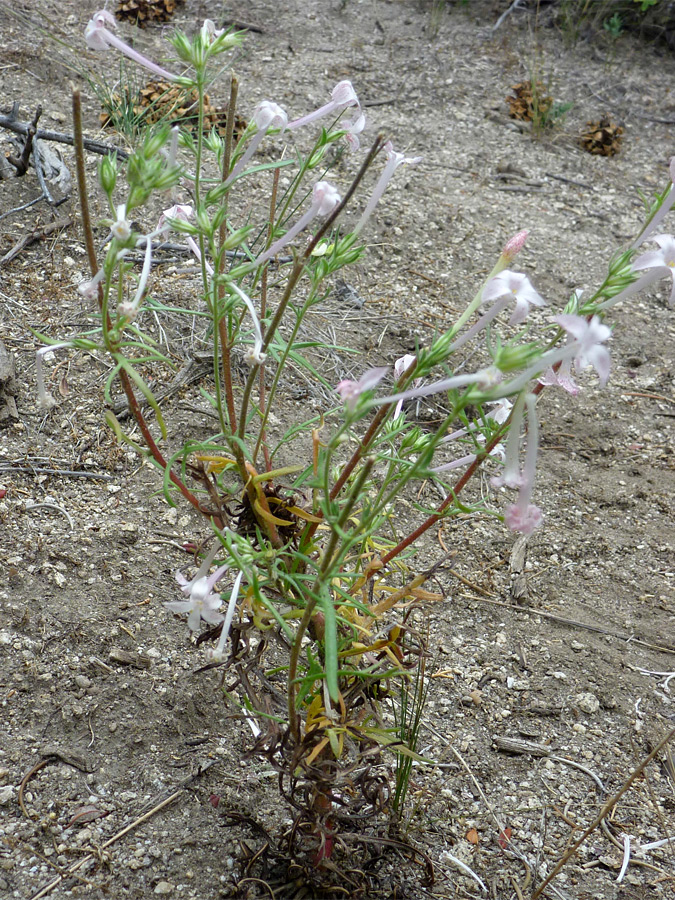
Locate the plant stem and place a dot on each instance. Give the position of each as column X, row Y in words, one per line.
column 452, row 496
column 262, row 437
column 314, row 598
column 134, row 407
column 222, row 324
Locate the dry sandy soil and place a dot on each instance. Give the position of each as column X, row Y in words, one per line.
column 102, row 716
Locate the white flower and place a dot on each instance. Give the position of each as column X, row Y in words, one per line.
column 121, row 228
column 324, row 200
column 394, row 160
column 100, row 37
column 586, row 345
column 517, row 284
column 662, row 261
column 202, row 602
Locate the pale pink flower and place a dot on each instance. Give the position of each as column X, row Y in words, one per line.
column 121, row 227
column 45, row 399
column 522, row 516
column 561, row 377
column 89, row 289
column 210, row 32
column 352, row 131
column 267, row 115
column 324, row 200
column 524, row 519
column 661, row 261
column 350, row 391
column 217, row 654
column 183, row 212
column 343, row 96
column 507, row 284
column 394, row 160
column 99, row 37
column 401, row 365
column 254, row 356
column 586, row 345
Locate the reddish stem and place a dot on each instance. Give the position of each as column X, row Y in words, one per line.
column 93, row 265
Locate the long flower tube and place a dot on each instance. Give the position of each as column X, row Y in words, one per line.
column 343, row 96
column 324, row 200
column 584, row 348
column 217, row 654
column 45, row 399
column 524, row 516
column 129, row 309
column 267, row 115
column 100, row 37
column 484, row 377
column 394, row 160
column 253, row 356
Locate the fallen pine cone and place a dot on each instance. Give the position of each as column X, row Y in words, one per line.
column 528, row 102
column 144, row 12
column 162, row 101
column 603, row 138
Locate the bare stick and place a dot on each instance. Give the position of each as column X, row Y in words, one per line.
column 20, row 163
column 606, row 808
column 11, row 123
column 36, row 235
column 136, row 822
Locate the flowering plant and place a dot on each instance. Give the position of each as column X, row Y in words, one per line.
column 308, row 540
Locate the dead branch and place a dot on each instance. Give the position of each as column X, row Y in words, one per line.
column 12, row 123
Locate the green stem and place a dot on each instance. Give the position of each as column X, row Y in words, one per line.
column 326, row 567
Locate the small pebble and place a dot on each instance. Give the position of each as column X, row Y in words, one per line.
column 164, row 887
column 588, row 703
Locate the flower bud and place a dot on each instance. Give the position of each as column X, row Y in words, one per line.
column 107, row 174
column 513, row 246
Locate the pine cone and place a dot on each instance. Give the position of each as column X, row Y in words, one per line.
column 144, row 12
column 602, row 138
column 527, row 102
column 161, row 101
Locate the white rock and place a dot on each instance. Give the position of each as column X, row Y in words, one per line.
column 587, row 703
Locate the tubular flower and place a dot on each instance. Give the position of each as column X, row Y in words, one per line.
column 267, row 115
column 507, row 284
column 324, row 200
column 350, row 391
column 401, row 365
column 121, row 228
column 183, row 213
column 343, row 96
column 522, row 516
column 202, row 602
column 585, row 346
column 394, row 160
column 254, row 356
column 561, row 377
column 485, row 379
column 218, row 652
column 100, row 37
column 661, row 262
column 45, row 399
